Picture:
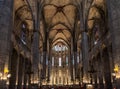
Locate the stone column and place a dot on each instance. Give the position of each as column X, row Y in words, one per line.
column 72, row 60
column 40, row 68
column 95, row 65
column 28, row 74
column 20, row 72
column 49, row 63
column 36, row 38
column 29, row 80
column 49, row 68
column 107, row 72
column 85, row 55
column 113, row 8
column 35, row 58
column 95, row 80
column 71, row 65
column 100, row 71
column 25, row 74
column 79, row 67
column 6, row 26
column 13, row 70
column 75, row 55
column 44, row 56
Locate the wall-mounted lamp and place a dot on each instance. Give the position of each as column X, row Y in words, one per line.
column 117, row 71
column 1, row 75
column 9, row 75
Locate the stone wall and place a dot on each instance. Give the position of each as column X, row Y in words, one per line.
column 113, row 7
column 6, row 19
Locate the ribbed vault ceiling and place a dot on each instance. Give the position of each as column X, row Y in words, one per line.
column 59, row 16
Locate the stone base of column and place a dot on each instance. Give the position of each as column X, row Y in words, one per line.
column 24, row 87
column 96, row 86
column 84, row 86
column 3, row 84
column 19, row 87
column 117, row 84
column 12, row 86
column 101, row 86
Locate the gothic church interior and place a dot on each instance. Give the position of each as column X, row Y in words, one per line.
column 59, row 44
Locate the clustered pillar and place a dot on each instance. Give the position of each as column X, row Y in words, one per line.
column 35, row 58
column 113, row 8
column 35, row 45
column 44, row 57
column 19, row 70
column 85, row 55
column 71, row 63
column 100, row 71
column 75, row 55
column 6, row 26
column 107, row 72
column 13, row 69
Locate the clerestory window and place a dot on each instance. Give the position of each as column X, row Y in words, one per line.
column 60, row 61
column 23, row 34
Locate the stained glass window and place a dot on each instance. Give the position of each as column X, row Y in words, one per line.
column 60, row 61
column 52, row 61
column 66, row 60
column 60, row 48
column 23, row 34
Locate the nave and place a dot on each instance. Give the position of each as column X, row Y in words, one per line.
column 59, row 44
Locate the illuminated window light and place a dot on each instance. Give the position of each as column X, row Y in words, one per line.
column 1, row 74
column 60, row 64
column 52, row 61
